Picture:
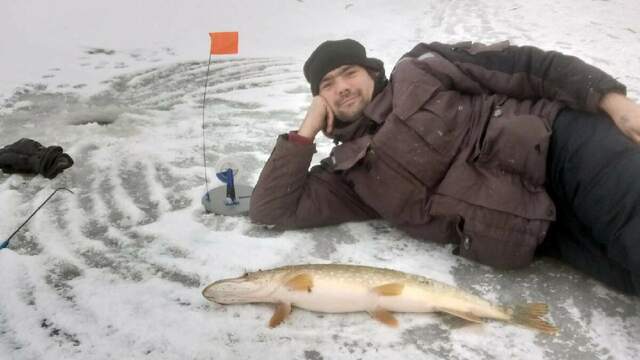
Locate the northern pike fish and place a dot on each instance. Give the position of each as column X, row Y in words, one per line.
column 339, row 288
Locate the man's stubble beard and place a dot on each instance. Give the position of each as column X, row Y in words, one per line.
column 356, row 109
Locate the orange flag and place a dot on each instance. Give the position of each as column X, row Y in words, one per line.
column 224, row 43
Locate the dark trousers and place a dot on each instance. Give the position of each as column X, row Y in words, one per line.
column 593, row 176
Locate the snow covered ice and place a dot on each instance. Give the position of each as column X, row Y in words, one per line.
column 116, row 270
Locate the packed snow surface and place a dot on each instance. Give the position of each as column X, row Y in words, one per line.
column 115, row 270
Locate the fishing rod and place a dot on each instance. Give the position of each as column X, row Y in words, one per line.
column 6, row 242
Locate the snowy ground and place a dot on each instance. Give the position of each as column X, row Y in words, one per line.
column 115, row 271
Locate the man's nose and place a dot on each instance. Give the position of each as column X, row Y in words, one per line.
column 343, row 87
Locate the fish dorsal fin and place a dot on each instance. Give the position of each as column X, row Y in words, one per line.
column 384, row 316
column 390, row 289
column 301, row 282
column 464, row 315
column 282, row 311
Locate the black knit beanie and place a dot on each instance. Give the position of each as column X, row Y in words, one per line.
column 332, row 54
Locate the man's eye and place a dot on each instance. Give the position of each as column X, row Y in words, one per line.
column 351, row 73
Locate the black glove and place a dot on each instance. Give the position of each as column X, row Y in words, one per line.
column 27, row 156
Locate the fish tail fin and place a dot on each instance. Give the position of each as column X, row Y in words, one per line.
column 530, row 315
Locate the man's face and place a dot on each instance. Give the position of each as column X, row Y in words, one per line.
column 348, row 90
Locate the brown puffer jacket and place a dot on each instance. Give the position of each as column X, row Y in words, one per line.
column 453, row 150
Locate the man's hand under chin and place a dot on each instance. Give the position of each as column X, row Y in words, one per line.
column 624, row 112
column 319, row 118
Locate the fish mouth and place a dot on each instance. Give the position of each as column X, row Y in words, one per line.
column 209, row 292
column 234, row 291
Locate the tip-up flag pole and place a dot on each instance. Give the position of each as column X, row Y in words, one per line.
column 233, row 198
column 222, row 43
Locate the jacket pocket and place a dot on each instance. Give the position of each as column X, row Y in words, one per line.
column 515, row 144
column 491, row 237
